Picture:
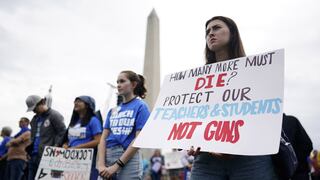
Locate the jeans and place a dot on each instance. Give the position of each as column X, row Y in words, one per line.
column 155, row 175
column 132, row 169
column 208, row 167
column 14, row 169
column 33, row 167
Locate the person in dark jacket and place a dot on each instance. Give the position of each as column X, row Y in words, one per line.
column 47, row 129
column 301, row 144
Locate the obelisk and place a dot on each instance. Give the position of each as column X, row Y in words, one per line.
column 151, row 70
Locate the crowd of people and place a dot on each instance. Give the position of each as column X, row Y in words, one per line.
column 112, row 141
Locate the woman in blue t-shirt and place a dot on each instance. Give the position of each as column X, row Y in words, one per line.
column 117, row 157
column 84, row 129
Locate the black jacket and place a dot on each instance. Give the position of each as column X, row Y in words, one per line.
column 300, row 141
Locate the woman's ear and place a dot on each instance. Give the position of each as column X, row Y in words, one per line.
column 134, row 84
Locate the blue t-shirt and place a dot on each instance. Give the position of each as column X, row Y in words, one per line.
column 80, row 135
column 22, row 130
column 3, row 148
column 36, row 140
column 124, row 121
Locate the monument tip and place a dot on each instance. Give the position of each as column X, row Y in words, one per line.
column 153, row 13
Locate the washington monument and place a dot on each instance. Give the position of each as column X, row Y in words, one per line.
column 151, row 70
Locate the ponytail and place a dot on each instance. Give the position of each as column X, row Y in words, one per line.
column 140, row 89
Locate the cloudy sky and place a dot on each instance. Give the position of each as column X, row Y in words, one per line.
column 80, row 45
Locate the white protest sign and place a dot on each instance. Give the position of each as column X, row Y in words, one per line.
column 67, row 164
column 173, row 160
column 232, row 107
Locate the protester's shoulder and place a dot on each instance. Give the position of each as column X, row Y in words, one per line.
column 291, row 118
column 111, row 111
column 7, row 138
column 141, row 103
column 54, row 112
column 94, row 120
column 55, row 115
column 26, row 133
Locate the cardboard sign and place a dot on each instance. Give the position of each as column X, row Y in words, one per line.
column 232, row 107
column 173, row 160
column 67, row 164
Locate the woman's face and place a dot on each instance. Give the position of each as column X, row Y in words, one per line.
column 79, row 105
column 23, row 123
column 217, row 35
column 39, row 108
column 124, row 85
column 157, row 153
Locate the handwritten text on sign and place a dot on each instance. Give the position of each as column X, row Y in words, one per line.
column 232, row 106
column 68, row 164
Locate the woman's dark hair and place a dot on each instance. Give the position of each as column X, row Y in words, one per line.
column 85, row 120
column 25, row 119
column 235, row 46
column 119, row 99
column 140, row 90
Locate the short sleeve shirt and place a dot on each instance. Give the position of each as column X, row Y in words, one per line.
column 124, row 121
column 79, row 135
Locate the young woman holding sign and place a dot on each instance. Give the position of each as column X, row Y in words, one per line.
column 223, row 42
column 85, row 129
column 117, row 157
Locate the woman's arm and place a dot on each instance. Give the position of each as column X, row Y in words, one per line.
column 102, row 150
column 125, row 157
column 24, row 137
